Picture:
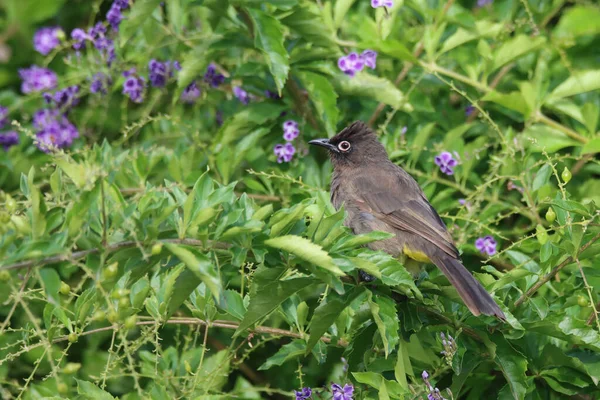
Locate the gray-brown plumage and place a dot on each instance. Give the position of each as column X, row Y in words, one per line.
column 379, row 195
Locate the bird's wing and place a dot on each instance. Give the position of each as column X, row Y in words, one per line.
column 396, row 198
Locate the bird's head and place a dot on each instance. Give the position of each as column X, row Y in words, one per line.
column 356, row 145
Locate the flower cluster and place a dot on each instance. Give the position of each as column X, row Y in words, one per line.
column 449, row 347
column 191, row 93
column 160, row 72
column 35, row 79
column 100, row 83
column 469, row 110
column 134, row 86
column 486, row 245
column 285, row 152
column 241, row 94
column 342, row 393
column 212, row 77
column 303, row 394
column 7, row 138
column 382, row 3
column 114, row 15
column 446, row 162
column 63, row 99
column 53, row 130
column 434, row 393
column 47, row 39
column 354, row 62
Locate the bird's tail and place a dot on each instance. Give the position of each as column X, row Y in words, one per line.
column 476, row 298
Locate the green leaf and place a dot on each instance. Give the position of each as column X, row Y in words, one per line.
column 141, row 11
column 515, row 48
column 541, row 177
column 87, row 390
column 38, row 207
column 356, row 241
column 139, row 292
column 294, row 349
column 200, row 265
column 326, row 314
column 390, row 47
column 384, row 313
column 84, row 305
column 402, row 366
column 306, row 250
column 513, row 365
column 374, row 87
column 591, row 147
column 542, row 137
column 74, row 170
column 512, row 101
column 572, row 206
column 308, row 21
column 323, row 96
column 268, row 297
column 339, row 11
column 577, row 83
column 281, row 4
column 233, row 304
column 51, row 282
column 484, row 28
column 578, row 21
column 268, row 37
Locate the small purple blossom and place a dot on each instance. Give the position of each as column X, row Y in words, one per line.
column 482, row 3
column 8, row 139
column 272, row 95
column 191, row 93
column 241, row 94
column 425, row 375
column 3, row 116
column 344, row 393
column 284, row 152
column 47, row 39
column 290, row 130
column 403, row 130
column 370, row 58
column 54, row 130
column 36, row 79
column 160, row 72
column 486, row 245
column 133, row 86
column 100, row 83
column 446, row 162
column 382, row 3
column 303, row 394
column 212, row 77
column 469, row 110
column 65, row 98
column 351, row 64
column 79, row 37
column 122, row 4
column 114, row 16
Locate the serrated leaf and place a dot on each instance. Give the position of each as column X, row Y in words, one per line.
column 233, row 304
column 374, row 87
column 384, row 313
column 513, row 365
column 324, row 98
column 306, row 250
column 200, row 265
column 87, row 390
column 516, row 47
column 268, row 37
column 579, row 82
column 294, row 349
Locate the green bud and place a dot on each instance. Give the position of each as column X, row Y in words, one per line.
column 64, row 288
column 110, row 271
column 99, row 315
column 582, row 301
column 4, row 276
column 72, row 337
column 62, row 388
column 113, row 317
column 71, row 368
column 156, row 249
column 550, row 215
column 130, row 322
column 4, row 217
column 124, row 302
column 566, row 175
column 10, row 204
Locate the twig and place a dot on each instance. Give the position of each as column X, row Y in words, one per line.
column 554, row 271
column 594, row 314
column 215, row 324
column 256, row 196
column 113, row 247
column 579, row 164
column 588, row 288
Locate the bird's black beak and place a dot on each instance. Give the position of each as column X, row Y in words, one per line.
column 324, row 143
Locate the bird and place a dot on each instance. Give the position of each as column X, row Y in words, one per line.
column 379, row 195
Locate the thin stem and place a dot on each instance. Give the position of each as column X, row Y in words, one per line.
column 110, row 248
column 552, row 273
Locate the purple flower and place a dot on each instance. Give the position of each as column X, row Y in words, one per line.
column 114, row 16
column 241, row 94
column 403, row 130
column 344, row 393
column 79, row 37
column 54, row 130
column 36, row 79
column 469, row 110
column 160, row 72
column 370, row 58
column 272, row 95
column 425, row 375
column 65, row 98
column 290, row 130
column 100, row 83
column 190, row 93
column 284, row 152
column 133, row 86
column 122, row 4
column 303, row 394
column 482, row 3
column 446, row 162
column 8, row 139
column 47, row 39
column 382, row 3
column 351, row 64
column 486, row 245
column 3, row 116
column 98, row 30
column 212, row 77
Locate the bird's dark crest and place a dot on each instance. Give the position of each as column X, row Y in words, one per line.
column 356, row 131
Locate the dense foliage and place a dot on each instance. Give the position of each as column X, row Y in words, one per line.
column 167, row 233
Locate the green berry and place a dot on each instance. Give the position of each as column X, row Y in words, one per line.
column 113, row 317
column 130, row 322
column 4, row 276
column 99, row 315
column 10, row 204
column 156, row 249
column 62, row 388
column 64, row 288
column 71, row 368
column 582, row 301
column 550, row 215
column 111, row 271
column 566, row 175
column 124, row 302
column 4, row 217
column 72, row 337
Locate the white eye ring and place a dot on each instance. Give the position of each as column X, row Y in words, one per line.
column 344, row 146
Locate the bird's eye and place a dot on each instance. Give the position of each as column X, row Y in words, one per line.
column 344, row 146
